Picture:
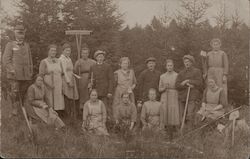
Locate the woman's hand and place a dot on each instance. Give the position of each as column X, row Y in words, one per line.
column 130, row 90
column 218, row 107
column 44, row 106
column 83, row 126
column 224, row 78
column 49, row 85
column 204, row 76
column 109, row 95
column 203, row 105
column 133, row 87
column 132, row 125
column 139, row 104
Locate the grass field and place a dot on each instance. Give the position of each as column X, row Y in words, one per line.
column 73, row 143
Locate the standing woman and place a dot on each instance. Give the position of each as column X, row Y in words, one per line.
column 125, row 81
column 69, row 83
column 169, row 97
column 82, row 67
column 51, row 70
column 217, row 65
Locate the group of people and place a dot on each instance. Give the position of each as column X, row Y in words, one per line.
column 107, row 96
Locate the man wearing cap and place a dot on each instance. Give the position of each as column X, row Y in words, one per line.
column 189, row 77
column 148, row 78
column 217, row 65
column 101, row 78
column 18, row 62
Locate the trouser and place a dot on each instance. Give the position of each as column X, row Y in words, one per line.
column 108, row 105
column 18, row 90
column 192, row 108
column 70, row 107
column 171, row 130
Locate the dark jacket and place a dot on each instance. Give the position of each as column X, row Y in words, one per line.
column 194, row 75
column 17, row 58
column 103, row 79
column 148, row 79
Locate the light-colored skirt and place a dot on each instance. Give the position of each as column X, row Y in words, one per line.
column 96, row 125
column 54, row 96
column 169, row 99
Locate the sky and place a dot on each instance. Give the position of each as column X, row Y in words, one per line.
column 141, row 12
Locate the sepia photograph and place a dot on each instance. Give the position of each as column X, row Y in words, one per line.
column 125, row 79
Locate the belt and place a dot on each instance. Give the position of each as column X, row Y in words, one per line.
column 215, row 67
column 82, row 72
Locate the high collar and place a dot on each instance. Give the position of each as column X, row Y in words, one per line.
column 19, row 42
column 98, row 63
column 125, row 71
column 65, row 56
column 53, row 59
column 126, row 105
column 214, row 89
column 151, row 70
column 84, row 59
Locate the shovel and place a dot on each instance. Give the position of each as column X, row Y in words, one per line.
column 185, row 111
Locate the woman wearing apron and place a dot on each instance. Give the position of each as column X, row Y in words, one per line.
column 51, row 70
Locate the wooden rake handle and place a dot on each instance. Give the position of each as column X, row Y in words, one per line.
column 185, row 111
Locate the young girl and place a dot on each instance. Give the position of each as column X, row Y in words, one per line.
column 36, row 106
column 126, row 82
column 94, row 115
column 169, row 97
column 152, row 112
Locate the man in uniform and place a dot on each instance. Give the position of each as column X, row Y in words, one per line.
column 18, row 62
column 148, row 78
column 102, row 79
column 189, row 77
